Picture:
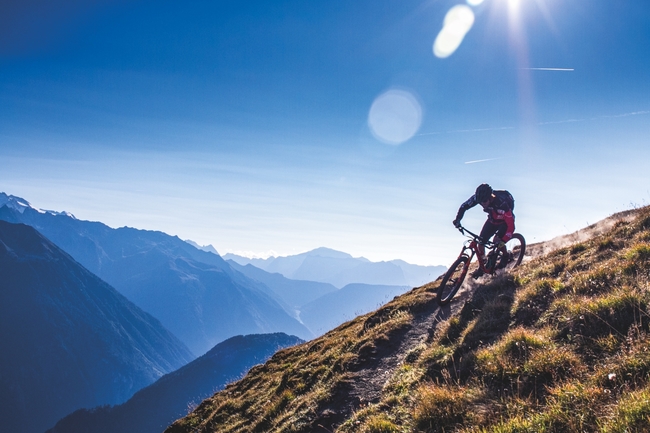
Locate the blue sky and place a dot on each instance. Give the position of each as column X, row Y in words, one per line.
column 246, row 124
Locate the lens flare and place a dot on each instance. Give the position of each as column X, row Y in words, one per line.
column 458, row 21
column 474, row 2
column 395, row 116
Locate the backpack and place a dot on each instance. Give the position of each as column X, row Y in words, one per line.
column 507, row 197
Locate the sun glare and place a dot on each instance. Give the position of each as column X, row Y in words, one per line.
column 458, row 21
column 395, row 117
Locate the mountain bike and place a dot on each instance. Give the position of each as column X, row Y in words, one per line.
column 506, row 257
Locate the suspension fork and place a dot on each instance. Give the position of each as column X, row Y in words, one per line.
column 469, row 252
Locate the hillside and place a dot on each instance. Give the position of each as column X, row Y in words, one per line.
column 68, row 339
column 153, row 408
column 558, row 345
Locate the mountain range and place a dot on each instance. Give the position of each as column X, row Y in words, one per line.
column 204, row 299
column 68, row 339
column 155, row 407
column 340, row 269
column 321, row 306
column 194, row 293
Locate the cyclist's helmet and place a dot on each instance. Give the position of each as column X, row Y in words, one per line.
column 483, row 192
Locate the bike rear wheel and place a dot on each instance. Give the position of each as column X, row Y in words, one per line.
column 452, row 280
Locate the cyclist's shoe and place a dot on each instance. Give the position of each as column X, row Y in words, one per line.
column 478, row 273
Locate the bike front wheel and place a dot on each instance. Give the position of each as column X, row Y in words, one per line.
column 516, row 250
column 452, row 280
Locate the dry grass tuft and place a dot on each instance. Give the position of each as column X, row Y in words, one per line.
column 443, row 408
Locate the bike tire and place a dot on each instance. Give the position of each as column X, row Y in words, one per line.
column 452, row 280
column 516, row 246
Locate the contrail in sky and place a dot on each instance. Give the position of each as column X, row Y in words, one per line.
column 468, row 130
column 613, row 116
column 549, row 69
column 482, row 160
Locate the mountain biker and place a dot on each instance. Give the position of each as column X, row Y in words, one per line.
column 500, row 223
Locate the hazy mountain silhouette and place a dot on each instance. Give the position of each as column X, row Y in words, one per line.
column 208, row 248
column 339, row 269
column 294, row 293
column 68, row 339
column 321, row 306
column 194, row 293
column 153, row 408
column 332, row 309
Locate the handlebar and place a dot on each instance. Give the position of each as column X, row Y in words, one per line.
column 475, row 237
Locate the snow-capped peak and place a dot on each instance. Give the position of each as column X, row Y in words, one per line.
column 20, row 204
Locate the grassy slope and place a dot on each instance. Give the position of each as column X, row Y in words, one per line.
column 560, row 345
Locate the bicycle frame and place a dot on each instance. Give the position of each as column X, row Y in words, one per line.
column 471, row 249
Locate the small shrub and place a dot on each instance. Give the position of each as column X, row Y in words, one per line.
column 492, row 321
column 639, row 254
column 526, row 363
column 632, row 414
column 644, row 222
column 401, row 383
column 436, row 360
column 534, row 300
column 440, row 409
column 379, row 424
column 595, row 282
column 608, row 343
column 630, row 369
column 516, row 424
column 612, row 313
column 578, row 248
column 552, row 270
column 413, row 354
column 606, row 244
column 450, row 331
column 574, row 407
column 285, row 398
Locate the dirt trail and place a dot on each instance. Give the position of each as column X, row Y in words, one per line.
column 367, row 383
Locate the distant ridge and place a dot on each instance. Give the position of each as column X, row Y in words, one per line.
column 68, row 339
column 326, row 265
column 335, row 308
column 155, row 407
column 207, row 248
